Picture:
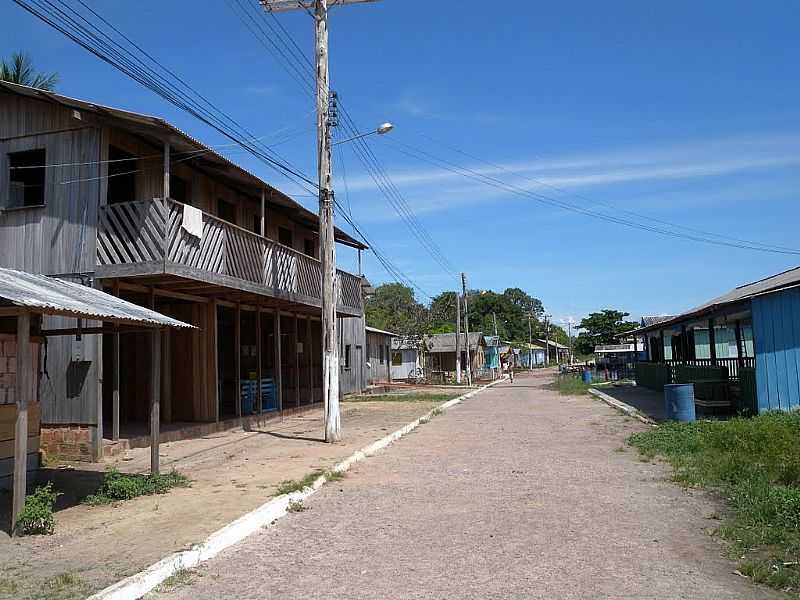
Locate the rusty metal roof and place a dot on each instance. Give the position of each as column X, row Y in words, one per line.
column 50, row 296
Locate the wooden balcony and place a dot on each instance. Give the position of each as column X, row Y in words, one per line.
column 146, row 238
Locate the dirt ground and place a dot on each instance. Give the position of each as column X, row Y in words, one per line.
column 231, row 472
column 516, row 493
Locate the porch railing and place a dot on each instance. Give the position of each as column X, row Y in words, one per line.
column 655, row 375
column 149, row 234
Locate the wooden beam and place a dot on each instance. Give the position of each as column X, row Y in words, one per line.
column 258, row 361
column 24, row 388
column 115, row 383
column 712, row 341
column 133, row 287
column 296, row 354
column 155, row 401
column 263, row 223
column 309, row 361
column 278, row 379
column 167, row 376
column 215, row 329
column 237, row 335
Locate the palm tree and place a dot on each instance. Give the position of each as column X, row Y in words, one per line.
column 20, row 70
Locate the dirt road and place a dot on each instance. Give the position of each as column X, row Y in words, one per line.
column 517, row 493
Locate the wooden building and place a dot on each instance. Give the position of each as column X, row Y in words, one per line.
column 741, row 349
column 379, row 355
column 407, row 359
column 441, row 353
column 130, row 204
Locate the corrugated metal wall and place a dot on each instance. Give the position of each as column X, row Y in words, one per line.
column 776, row 333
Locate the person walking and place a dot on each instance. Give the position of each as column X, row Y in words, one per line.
column 508, row 365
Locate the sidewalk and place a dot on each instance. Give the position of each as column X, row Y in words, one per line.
column 231, row 472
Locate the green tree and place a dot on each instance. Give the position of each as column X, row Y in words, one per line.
column 443, row 313
column 602, row 327
column 394, row 308
column 20, row 70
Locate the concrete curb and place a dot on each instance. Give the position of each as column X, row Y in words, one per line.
column 136, row 586
column 623, row 407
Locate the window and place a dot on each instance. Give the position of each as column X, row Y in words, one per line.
column 308, row 247
column 285, row 236
column 121, row 176
column 226, row 211
column 381, row 347
column 397, row 359
column 179, row 189
column 369, row 356
column 347, row 356
column 26, row 176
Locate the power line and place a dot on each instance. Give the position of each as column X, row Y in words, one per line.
column 429, row 158
column 606, row 204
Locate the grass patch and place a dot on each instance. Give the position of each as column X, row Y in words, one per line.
column 436, row 412
column 66, row 586
column 298, row 485
column 409, row 397
column 754, row 464
column 567, row 385
column 180, row 578
column 118, row 486
column 37, row 517
column 296, row 506
column 8, row 585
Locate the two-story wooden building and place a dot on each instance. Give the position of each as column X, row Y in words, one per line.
column 128, row 203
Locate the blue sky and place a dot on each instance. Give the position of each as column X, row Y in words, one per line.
column 686, row 112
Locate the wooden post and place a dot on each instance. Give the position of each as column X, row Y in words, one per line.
column 458, row 338
column 166, row 375
column 24, row 386
column 739, row 344
column 296, row 354
column 215, row 330
column 155, row 400
column 663, row 349
column 684, row 343
column 166, row 170
column 309, row 360
column 237, row 334
column 258, row 359
column 115, row 383
column 712, row 341
column 263, row 224
column 278, row 379
column 466, row 327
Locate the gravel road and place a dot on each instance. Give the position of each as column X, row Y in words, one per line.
column 516, row 493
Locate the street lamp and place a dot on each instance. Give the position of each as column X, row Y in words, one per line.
column 381, row 130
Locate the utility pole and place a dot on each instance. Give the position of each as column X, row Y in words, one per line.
column 546, row 341
column 466, row 327
column 530, row 344
column 497, row 341
column 330, row 352
column 458, row 338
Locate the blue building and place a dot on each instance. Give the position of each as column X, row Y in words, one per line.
column 741, row 349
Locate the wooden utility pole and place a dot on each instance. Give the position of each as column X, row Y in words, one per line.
column 330, row 352
column 546, row 342
column 466, row 327
column 530, row 344
column 458, row 338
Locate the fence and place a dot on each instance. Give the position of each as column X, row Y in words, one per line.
column 653, row 376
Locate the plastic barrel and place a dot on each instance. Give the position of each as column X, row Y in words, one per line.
column 679, row 402
column 587, row 376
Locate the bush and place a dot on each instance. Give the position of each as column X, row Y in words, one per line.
column 37, row 515
column 118, row 486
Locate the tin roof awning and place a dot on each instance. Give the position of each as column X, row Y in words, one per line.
column 49, row 296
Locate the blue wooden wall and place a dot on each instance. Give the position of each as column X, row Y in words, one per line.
column 776, row 333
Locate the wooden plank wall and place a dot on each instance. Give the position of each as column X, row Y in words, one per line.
column 351, row 332
column 776, row 335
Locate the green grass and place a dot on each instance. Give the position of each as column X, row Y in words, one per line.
column 567, row 385
column 409, row 397
column 297, row 485
column 180, row 578
column 754, row 465
column 65, row 586
column 118, row 486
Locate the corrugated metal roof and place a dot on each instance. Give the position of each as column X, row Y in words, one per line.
column 57, row 297
column 446, row 342
column 647, row 321
column 554, row 344
column 165, row 127
column 376, row 330
column 767, row 285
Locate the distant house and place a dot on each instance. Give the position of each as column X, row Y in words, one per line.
column 629, row 350
column 557, row 353
column 531, row 355
column 741, row 348
column 379, row 355
column 406, row 359
column 441, row 353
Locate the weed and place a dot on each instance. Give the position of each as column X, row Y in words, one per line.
column 37, row 514
column 332, row 475
column 755, row 466
column 436, row 412
column 180, row 578
column 125, row 486
column 619, row 449
column 297, row 485
column 296, row 506
column 567, row 385
column 8, row 585
column 65, row 586
column 424, row 420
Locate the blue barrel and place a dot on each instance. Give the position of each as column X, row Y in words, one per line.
column 587, row 376
column 679, row 402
